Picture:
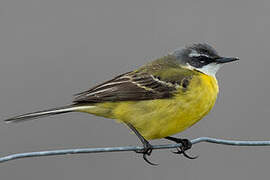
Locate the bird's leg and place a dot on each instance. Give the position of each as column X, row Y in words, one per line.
column 186, row 145
column 147, row 146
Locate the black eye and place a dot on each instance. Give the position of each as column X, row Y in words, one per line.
column 200, row 60
column 204, row 59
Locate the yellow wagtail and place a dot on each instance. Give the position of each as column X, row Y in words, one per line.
column 159, row 99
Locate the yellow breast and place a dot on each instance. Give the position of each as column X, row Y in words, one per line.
column 164, row 117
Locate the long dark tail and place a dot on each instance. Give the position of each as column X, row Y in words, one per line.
column 48, row 112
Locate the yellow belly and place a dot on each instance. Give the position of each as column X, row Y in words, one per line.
column 159, row 118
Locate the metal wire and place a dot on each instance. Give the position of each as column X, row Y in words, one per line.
column 129, row 148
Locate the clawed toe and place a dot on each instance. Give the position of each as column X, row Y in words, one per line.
column 148, row 148
column 186, row 145
column 147, row 151
column 181, row 150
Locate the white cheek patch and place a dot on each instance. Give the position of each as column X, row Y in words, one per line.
column 210, row 69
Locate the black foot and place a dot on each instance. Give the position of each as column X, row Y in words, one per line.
column 147, row 151
column 186, row 145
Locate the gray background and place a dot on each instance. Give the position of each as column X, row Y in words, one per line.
column 51, row 49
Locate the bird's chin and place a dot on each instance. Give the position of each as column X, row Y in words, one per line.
column 210, row 69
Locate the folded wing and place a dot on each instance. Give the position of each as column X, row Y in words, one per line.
column 130, row 86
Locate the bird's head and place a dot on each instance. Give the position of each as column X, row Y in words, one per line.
column 201, row 57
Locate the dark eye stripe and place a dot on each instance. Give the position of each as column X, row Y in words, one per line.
column 204, row 59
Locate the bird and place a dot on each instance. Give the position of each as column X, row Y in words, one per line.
column 159, row 99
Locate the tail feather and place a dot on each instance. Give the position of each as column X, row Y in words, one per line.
column 44, row 113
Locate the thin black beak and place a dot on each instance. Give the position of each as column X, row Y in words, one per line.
column 226, row 59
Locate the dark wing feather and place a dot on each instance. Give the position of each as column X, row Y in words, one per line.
column 127, row 87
